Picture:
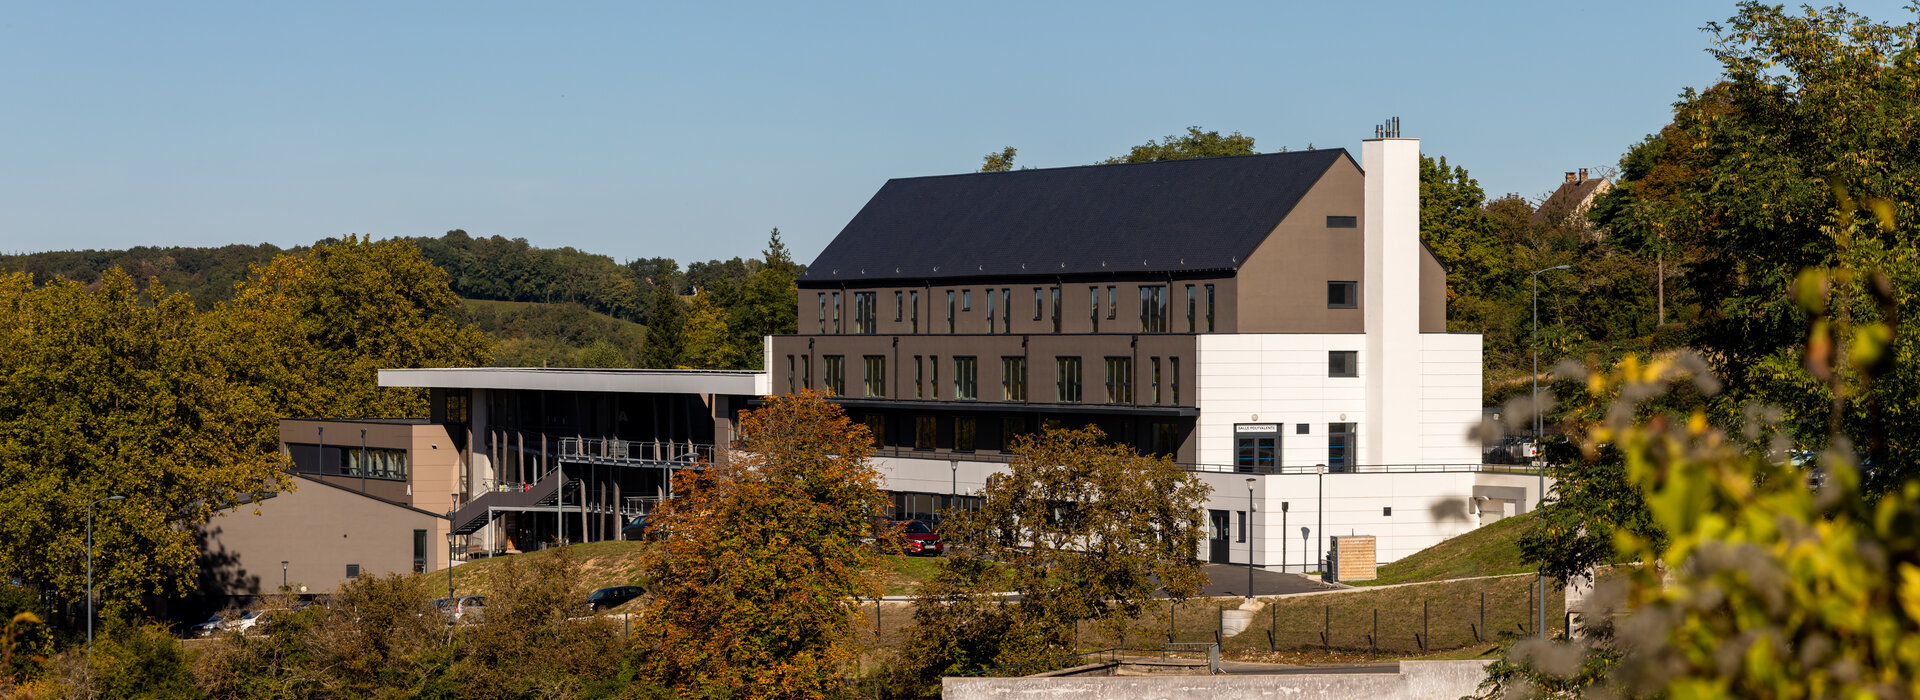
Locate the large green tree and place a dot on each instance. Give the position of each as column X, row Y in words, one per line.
column 1193, row 144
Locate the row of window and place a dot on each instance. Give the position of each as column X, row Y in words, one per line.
column 349, row 460
column 1068, row 387
column 1256, row 446
column 1154, row 308
column 965, row 433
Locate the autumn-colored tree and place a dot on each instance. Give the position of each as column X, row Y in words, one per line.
column 999, row 162
column 116, row 391
column 763, row 559
column 706, row 342
column 1082, row 529
column 1193, row 144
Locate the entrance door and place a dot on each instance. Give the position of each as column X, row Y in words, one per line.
column 1217, row 537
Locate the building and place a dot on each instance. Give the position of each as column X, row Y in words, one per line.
column 1271, row 322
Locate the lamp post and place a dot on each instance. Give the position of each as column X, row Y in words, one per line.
column 1283, row 537
column 953, row 489
column 283, row 576
column 449, row 559
column 1539, row 463
column 90, row 565
column 1305, row 532
column 1249, row 525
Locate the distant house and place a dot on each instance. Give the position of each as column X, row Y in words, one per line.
column 1569, row 202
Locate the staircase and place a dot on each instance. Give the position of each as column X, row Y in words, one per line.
column 469, row 518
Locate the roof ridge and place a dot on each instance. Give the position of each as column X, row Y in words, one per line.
column 1058, row 168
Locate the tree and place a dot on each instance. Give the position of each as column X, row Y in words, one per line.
column 766, row 305
column 1082, row 529
column 116, row 391
column 707, row 343
column 1195, row 144
column 999, row 162
column 665, row 339
column 757, row 577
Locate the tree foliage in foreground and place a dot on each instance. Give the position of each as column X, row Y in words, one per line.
column 764, row 558
column 1082, row 529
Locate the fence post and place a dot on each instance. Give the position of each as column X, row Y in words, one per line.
column 1220, row 625
column 1326, row 631
column 876, row 619
column 1523, row 625
column 1483, row 616
column 1373, row 640
column 1273, row 626
column 1172, row 610
column 1426, row 633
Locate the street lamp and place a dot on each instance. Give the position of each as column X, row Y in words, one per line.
column 1283, row 538
column 283, row 576
column 1539, row 462
column 90, row 565
column 1305, row 532
column 450, row 558
column 1249, row 524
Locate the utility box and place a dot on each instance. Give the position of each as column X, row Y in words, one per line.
column 1351, row 558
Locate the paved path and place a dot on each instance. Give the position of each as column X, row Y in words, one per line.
column 1229, row 580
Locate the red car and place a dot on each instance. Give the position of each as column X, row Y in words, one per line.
column 918, row 538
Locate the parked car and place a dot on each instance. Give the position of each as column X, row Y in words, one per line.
column 245, row 622
column 211, row 627
column 917, row 537
column 466, row 608
column 612, row 597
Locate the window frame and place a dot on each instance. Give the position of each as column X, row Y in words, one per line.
column 1013, row 378
column 1337, row 358
column 966, row 378
column 1352, row 293
column 1068, row 387
column 833, row 374
column 875, row 379
column 1119, row 380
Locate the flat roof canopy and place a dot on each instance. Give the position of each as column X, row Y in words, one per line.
column 638, row 381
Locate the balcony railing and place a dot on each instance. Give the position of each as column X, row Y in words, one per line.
column 653, row 451
column 1001, row 457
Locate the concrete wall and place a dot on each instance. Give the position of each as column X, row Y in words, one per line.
column 1449, row 397
column 1277, row 378
column 318, row 530
column 1416, row 679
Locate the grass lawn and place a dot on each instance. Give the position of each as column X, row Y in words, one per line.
column 1493, row 550
column 610, row 563
column 905, row 574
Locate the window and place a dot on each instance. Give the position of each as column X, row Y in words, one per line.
column 1192, row 307
column 1006, row 310
column 1093, row 309
column 966, row 378
column 964, row 429
column 1339, row 447
column 1113, row 303
column 877, row 427
column 949, row 311
column 1241, row 515
column 836, row 375
column 1067, row 386
column 790, row 385
column 1011, row 428
column 966, row 300
column 836, row 313
column 876, row 366
column 1343, row 222
column 919, row 380
column 459, row 408
column 353, row 571
column 823, row 313
column 1173, row 378
column 1056, row 308
column 1300, row 429
column 1013, row 379
column 1343, row 295
column 991, row 321
column 1119, row 380
column 933, row 381
column 1038, row 304
column 924, row 431
column 1386, row 512
column 1156, row 381
column 806, row 371
column 1153, row 308
column 913, row 299
column 419, row 551
column 1256, row 447
column 866, row 312
column 376, row 463
column 1166, row 439
column 899, row 305
column 1343, row 363
column 1209, row 308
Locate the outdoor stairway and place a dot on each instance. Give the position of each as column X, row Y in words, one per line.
column 469, row 518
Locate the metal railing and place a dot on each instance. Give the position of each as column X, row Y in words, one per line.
column 1003, row 458
column 654, row 451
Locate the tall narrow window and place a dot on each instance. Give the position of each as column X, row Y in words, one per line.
column 1006, row 309
column 420, row 551
column 933, row 380
column 991, row 321
column 1093, row 309
column 1209, row 308
column 965, row 433
column 1113, row 303
column 836, row 313
column 1067, row 386
column 919, row 380
column 1166, row 440
column 866, row 312
column 966, row 300
column 876, row 376
column 1153, row 308
column 1340, row 441
column 899, row 305
column 1011, row 428
column 877, row 427
column 1056, row 308
column 1173, row 378
column 1343, row 363
column 1193, row 323
column 790, row 385
column 1156, row 381
column 966, row 378
column 924, row 432
column 949, row 311
column 913, row 298
column 1039, row 304
column 1013, row 378
column 806, row 371
column 1120, row 380
column 836, row 375
column 823, row 313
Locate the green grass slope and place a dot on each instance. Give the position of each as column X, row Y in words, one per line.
column 1493, row 550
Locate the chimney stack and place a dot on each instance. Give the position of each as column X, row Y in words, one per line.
column 1583, row 174
column 1390, row 298
column 1569, row 176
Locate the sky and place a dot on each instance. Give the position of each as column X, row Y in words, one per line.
column 688, row 130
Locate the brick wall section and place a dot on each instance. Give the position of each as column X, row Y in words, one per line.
column 1356, row 557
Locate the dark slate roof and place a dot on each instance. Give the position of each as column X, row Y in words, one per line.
column 1168, row 216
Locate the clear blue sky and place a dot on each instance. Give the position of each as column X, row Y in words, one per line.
column 688, row 130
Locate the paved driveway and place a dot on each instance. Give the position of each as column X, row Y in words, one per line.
column 1226, row 580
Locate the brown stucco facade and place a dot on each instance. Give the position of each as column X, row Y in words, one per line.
column 320, row 530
